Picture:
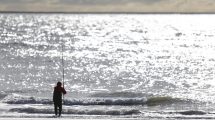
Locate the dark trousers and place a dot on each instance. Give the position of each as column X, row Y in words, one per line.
column 58, row 106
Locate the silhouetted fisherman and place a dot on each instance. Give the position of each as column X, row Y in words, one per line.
column 57, row 98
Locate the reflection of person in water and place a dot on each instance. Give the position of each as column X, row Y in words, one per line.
column 57, row 98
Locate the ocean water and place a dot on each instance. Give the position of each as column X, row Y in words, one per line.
column 131, row 66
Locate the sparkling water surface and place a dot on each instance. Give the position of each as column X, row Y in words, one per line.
column 117, row 55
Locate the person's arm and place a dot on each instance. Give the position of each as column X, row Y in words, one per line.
column 63, row 90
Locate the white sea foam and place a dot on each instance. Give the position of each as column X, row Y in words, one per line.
column 19, row 99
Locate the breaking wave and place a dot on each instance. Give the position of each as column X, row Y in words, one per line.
column 153, row 101
column 18, row 99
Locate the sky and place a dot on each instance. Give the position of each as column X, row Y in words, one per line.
column 181, row 6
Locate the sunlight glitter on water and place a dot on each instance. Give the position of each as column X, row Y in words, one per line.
column 162, row 54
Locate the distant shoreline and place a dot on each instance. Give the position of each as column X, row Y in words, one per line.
column 26, row 12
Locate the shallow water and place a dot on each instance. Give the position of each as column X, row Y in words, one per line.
column 113, row 64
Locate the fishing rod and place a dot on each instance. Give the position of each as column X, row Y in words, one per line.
column 62, row 61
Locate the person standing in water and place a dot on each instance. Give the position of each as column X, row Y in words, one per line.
column 57, row 98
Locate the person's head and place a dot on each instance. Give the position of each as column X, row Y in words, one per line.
column 59, row 83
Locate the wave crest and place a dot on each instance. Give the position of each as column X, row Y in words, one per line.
column 18, row 99
column 152, row 101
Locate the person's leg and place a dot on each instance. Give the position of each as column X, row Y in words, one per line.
column 60, row 109
column 55, row 109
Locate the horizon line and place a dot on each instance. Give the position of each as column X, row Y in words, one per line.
column 61, row 12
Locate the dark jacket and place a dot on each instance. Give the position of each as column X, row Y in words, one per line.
column 57, row 95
